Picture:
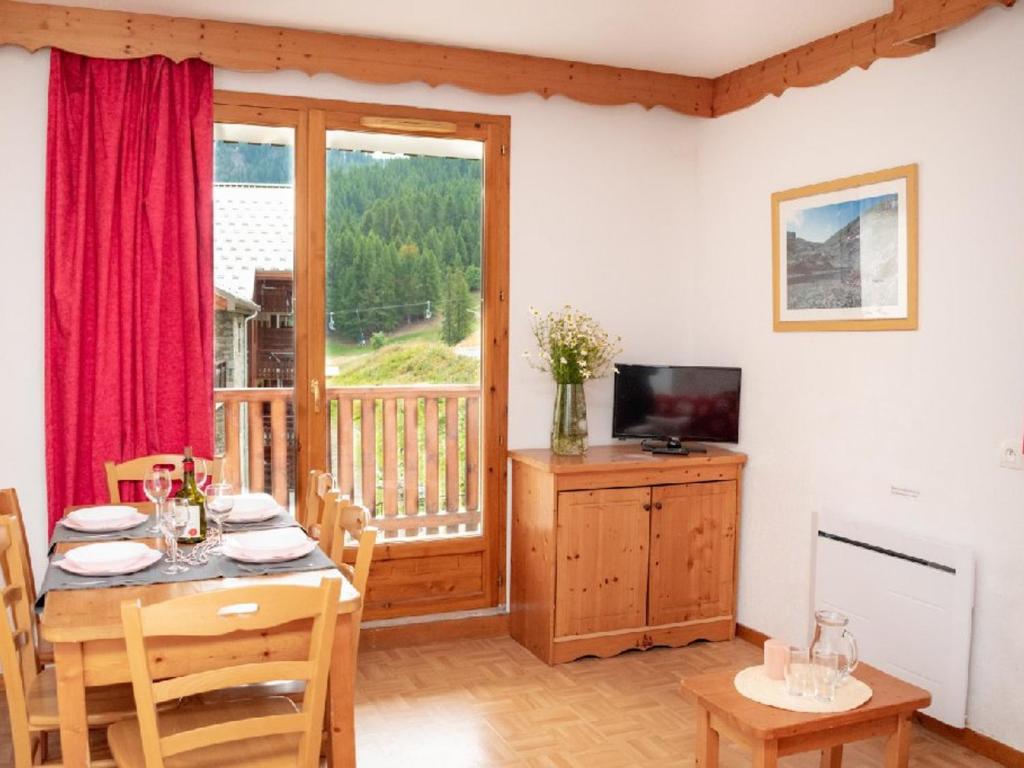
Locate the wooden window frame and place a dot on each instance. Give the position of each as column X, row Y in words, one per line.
column 311, row 118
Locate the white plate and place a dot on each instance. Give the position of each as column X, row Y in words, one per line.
column 268, row 541
column 106, row 555
column 235, row 552
column 100, row 517
column 144, row 561
column 87, row 524
column 237, row 516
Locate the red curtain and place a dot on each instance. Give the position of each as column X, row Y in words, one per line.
column 129, row 266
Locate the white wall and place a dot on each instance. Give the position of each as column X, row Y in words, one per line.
column 831, row 421
column 22, row 204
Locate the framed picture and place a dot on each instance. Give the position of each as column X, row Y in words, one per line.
column 845, row 254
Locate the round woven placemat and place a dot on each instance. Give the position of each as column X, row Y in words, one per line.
column 753, row 683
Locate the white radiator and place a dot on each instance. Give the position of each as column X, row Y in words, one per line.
column 910, row 602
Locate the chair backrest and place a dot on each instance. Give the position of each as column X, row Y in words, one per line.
column 351, row 519
column 17, row 646
column 9, row 506
column 312, row 513
column 134, row 470
column 251, row 609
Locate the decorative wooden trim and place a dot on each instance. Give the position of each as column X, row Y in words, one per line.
column 812, row 64
column 257, row 48
column 425, row 632
column 965, row 737
column 974, row 741
column 907, row 31
column 912, row 19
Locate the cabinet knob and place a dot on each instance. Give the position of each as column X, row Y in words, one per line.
column 657, row 505
column 647, row 507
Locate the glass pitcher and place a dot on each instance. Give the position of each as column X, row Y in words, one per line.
column 831, row 635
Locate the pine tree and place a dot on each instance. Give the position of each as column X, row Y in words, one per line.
column 455, row 326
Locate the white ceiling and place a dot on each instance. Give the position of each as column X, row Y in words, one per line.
column 693, row 37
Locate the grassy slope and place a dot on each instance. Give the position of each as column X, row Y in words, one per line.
column 418, row 362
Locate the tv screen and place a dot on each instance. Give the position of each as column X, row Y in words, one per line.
column 677, row 402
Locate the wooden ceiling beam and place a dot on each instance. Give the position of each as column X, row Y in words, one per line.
column 258, row 48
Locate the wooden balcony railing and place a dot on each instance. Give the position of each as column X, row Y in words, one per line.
column 409, row 453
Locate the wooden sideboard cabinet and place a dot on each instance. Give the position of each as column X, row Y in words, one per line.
column 623, row 549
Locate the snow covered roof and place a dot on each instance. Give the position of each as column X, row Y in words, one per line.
column 253, row 231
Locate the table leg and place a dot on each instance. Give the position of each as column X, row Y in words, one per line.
column 74, row 729
column 342, row 735
column 832, row 757
column 897, row 748
column 707, row 741
column 766, row 754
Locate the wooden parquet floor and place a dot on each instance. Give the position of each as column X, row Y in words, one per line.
column 490, row 704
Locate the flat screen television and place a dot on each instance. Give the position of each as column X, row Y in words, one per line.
column 674, row 403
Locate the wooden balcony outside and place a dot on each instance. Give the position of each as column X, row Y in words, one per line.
column 416, row 466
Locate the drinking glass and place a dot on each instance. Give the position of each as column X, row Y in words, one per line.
column 157, row 485
column 219, row 503
column 201, row 472
column 798, row 673
column 825, row 671
column 173, row 518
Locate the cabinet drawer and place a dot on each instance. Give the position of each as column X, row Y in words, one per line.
column 601, row 560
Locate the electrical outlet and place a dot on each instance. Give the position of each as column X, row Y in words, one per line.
column 1010, row 455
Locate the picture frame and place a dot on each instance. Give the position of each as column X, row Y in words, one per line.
column 845, row 254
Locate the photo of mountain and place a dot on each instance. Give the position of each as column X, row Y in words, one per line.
column 844, row 255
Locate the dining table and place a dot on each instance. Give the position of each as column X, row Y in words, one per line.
column 84, row 626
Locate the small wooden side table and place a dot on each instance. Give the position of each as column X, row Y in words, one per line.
column 772, row 733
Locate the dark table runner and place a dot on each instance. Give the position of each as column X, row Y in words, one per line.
column 282, row 519
column 218, row 567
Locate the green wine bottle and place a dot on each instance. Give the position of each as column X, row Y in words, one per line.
column 195, row 528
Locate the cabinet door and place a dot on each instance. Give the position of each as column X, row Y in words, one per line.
column 693, row 552
column 601, row 556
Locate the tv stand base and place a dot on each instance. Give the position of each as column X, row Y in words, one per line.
column 671, row 446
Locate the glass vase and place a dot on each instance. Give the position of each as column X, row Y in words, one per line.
column 569, row 425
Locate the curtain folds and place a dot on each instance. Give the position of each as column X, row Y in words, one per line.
column 129, row 265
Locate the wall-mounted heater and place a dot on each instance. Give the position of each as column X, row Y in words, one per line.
column 909, row 600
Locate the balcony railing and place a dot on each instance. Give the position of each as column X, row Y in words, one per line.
column 409, row 453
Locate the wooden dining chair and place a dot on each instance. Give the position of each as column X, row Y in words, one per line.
column 351, row 521
column 31, row 692
column 257, row 733
column 134, row 470
column 10, row 506
column 312, row 512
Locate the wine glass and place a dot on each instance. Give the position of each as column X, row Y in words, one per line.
column 173, row 518
column 219, row 503
column 157, row 485
column 201, row 473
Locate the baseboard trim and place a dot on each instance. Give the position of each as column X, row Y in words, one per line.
column 752, row 636
column 424, row 632
column 964, row 737
column 974, row 741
